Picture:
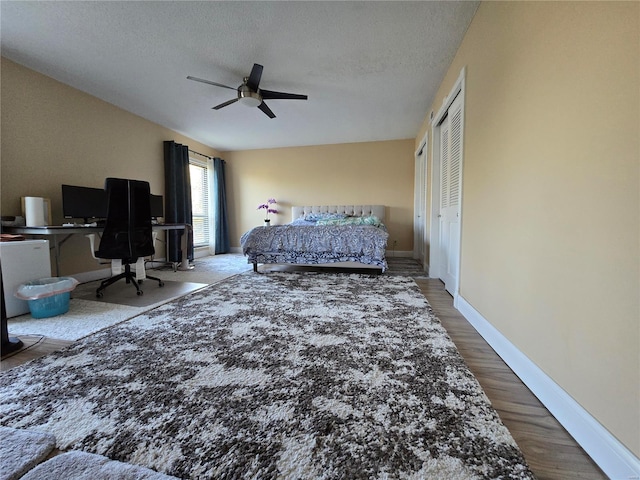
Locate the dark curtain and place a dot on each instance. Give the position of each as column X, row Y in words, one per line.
column 177, row 191
column 221, row 227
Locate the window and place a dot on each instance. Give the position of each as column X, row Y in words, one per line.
column 199, row 173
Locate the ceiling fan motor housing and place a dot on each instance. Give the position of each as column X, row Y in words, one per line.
column 248, row 97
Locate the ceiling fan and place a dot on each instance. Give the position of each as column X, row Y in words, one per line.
column 249, row 93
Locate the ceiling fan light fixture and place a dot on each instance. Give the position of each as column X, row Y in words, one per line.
column 250, row 99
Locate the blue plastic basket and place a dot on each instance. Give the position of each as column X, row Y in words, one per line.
column 47, row 297
column 49, row 306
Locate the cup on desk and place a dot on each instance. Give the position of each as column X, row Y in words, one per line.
column 36, row 211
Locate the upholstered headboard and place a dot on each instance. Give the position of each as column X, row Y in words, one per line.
column 354, row 210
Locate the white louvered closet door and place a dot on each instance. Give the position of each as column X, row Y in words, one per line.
column 450, row 177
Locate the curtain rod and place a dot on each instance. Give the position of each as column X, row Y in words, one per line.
column 201, row 154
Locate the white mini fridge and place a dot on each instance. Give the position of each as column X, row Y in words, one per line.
column 22, row 262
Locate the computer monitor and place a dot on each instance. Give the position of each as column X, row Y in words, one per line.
column 157, row 206
column 84, row 202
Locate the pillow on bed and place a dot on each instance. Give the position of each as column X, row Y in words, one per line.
column 365, row 220
column 317, row 216
column 302, row 221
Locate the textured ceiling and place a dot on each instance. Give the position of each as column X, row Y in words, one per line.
column 370, row 69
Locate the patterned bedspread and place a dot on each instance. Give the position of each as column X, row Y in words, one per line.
column 316, row 244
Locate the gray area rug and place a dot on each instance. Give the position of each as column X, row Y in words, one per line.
column 208, row 270
column 279, row 375
column 21, row 450
column 121, row 293
column 407, row 267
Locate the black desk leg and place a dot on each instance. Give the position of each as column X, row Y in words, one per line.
column 9, row 344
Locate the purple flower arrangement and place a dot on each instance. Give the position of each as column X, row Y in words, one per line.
column 269, row 207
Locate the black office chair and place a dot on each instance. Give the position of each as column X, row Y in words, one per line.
column 127, row 231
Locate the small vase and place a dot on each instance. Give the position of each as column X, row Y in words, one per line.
column 267, row 223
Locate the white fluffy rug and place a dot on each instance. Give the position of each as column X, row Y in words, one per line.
column 86, row 316
column 83, row 318
column 21, row 450
column 86, row 466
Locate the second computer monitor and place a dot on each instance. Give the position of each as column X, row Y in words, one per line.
column 157, row 206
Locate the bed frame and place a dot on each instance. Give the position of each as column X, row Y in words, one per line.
column 353, row 210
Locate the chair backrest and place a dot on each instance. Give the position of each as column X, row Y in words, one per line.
column 127, row 231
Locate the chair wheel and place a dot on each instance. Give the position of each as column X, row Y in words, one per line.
column 161, row 284
column 140, row 292
column 99, row 295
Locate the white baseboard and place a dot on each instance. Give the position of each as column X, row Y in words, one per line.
column 200, row 252
column 617, row 462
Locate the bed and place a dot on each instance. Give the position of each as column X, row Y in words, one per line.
column 346, row 236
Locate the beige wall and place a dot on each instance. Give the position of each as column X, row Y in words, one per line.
column 54, row 134
column 354, row 173
column 551, row 220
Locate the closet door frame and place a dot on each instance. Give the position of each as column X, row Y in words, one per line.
column 420, row 236
column 436, row 262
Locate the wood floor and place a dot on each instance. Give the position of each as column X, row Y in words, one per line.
column 34, row 346
column 550, row 451
column 552, row 454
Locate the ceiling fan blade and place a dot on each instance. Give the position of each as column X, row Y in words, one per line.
column 254, row 77
column 266, row 110
column 218, row 107
column 210, row 82
column 270, row 95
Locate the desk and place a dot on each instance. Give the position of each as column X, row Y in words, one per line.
column 66, row 232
